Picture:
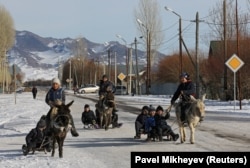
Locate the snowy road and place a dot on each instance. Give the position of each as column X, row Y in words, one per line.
column 100, row 148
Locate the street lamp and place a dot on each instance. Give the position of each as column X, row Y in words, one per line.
column 148, row 79
column 70, row 73
column 180, row 37
column 120, row 37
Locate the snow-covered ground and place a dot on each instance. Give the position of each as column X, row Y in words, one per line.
column 224, row 129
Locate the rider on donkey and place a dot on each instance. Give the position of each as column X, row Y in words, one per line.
column 184, row 90
column 107, row 90
column 56, row 96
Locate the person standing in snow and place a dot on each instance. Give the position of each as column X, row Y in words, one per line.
column 34, row 92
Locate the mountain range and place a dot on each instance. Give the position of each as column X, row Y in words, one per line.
column 39, row 57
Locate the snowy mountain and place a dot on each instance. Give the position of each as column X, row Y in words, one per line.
column 39, row 57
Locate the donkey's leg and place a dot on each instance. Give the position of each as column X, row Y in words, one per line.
column 60, row 143
column 184, row 133
column 106, row 116
column 53, row 147
column 181, row 133
column 192, row 130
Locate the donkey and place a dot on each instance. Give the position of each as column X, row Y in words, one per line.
column 104, row 112
column 60, row 127
column 194, row 113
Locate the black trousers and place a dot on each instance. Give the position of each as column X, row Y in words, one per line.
column 138, row 126
column 164, row 130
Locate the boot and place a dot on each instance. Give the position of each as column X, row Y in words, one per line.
column 25, row 150
column 74, row 133
column 148, row 138
column 138, row 136
column 174, row 136
column 160, row 138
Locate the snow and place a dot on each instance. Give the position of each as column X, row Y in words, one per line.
column 99, row 148
column 32, row 73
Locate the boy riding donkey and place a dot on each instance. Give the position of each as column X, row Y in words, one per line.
column 185, row 89
column 106, row 97
column 56, row 96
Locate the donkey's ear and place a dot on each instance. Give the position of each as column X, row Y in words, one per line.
column 69, row 104
column 203, row 97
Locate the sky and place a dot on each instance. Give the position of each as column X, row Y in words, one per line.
column 100, row 20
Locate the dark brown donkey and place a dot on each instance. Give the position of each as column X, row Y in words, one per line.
column 61, row 127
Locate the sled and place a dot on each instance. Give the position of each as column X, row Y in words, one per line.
column 40, row 148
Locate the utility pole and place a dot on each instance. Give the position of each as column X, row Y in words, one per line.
column 148, row 82
column 238, row 53
column 70, row 74
column 130, row 70
column 115, row 70
column 197, row 57
column 180, row 44
column 137, row 70
column 109, row 63
column 14, row 74
column 225, row 45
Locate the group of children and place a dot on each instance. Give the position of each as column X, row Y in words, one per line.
column 152, row 122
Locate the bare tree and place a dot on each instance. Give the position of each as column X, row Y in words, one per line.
column 78, row 62
column 7, row 37
column 7, row 30
column 215, row 21
column 148, row 14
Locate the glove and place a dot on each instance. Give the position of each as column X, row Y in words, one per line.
column 51, row 104
column 168, row 109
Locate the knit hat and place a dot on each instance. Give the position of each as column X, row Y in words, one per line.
column 151, row 108
column 104, row 76
column 159, row 108
column 56, row 80
column 41, row 124
column 145, row 108
column 184, row 75
column 86, row 106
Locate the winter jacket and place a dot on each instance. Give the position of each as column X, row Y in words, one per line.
column 104, row 85
column 149, row 124
column 187, row 88
column 88, row 117
column 35, row 136
column 53, row 95
column 161, row 120
column 34, row 90
column 141, row 118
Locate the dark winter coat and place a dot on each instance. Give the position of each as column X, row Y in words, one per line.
column 34, row 137
column 104, row 85
column 187, row 88
column 88, row 117
column 53, row 95
column 34, row 90
column 141, row 118
column 160, row 121
column 149, row 124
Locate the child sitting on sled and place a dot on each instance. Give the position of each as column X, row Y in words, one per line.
column 35, row 137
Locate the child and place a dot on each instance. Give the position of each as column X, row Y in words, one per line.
column 140, row 121
column 162, row 127
column 88, row 117
column 150, row 124
column 35, row 137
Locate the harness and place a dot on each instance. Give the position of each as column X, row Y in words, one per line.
column 59, row 124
